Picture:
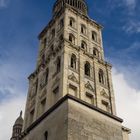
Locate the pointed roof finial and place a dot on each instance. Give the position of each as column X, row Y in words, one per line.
column 21, row 113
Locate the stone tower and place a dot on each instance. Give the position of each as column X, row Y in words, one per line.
column 70, row 93
column 17, row 128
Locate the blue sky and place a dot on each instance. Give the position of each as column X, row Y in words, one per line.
column 22, row 20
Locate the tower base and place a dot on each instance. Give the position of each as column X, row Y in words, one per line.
column 72, row 119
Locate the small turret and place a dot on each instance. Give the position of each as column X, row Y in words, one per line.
column 17, row 128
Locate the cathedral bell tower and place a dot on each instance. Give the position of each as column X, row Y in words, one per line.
column 70, row 93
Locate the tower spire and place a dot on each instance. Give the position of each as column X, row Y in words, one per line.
column 21, row 113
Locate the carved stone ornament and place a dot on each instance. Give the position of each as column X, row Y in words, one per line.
column 32, row 92
column 73, row 78
column 43, row 94
column 104, row 94
column 32, row 103
column 56, row 81
column 89, row 86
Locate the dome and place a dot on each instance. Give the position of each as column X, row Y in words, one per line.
column 19, row 120
column 79, row 5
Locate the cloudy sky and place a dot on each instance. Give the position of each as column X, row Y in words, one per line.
column 20, row 23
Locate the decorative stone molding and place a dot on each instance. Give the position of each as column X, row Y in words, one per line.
column 56, row 81
column 104, row 94
column 73, row 78
column 89, row 86
column 88, row 94
column 32, row 104
column 42, row 94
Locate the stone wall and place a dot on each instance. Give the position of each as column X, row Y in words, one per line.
column 87, row 124
column 55, row 124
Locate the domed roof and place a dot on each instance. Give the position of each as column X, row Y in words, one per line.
column 19, row 120
column 79, row 5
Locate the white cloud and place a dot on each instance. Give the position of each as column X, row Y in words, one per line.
column 3, row 3
column 9, row 111
column 132, row 26
column 134, row 47
column 128, row 103
column 131, row 4
column 12, row 97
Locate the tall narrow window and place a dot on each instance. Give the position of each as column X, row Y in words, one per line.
column 44, row 42
column 73, row 61
column 43, row 59
column 101, row 77
column 72, row 38
column 71, row 2
column 53, row 33
column 83, row 45
column 58, row 64
column 47, row 75
column 36, row 86
column 32, row 116
column 87, row 69
column 61, row 23
column 43, row 105
column 46, row 135
column 94, row 36
column 83, row 29
column 72, row 22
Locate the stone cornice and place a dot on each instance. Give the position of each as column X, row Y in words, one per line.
column 126, row 130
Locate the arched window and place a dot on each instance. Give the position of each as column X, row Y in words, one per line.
column 72, row 38
column 84, row 45
column 58, row 64
column 83, row 29
column 95, row 52
column 87, row 69
column 101, row 77
column 94, row 36
column 73, row 61
column 72, row 22
column 46, row 135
